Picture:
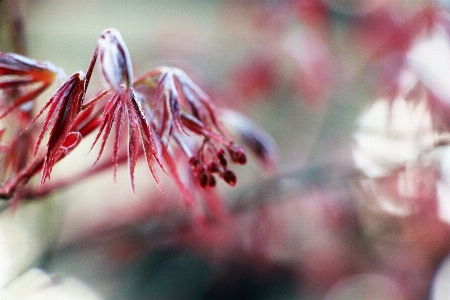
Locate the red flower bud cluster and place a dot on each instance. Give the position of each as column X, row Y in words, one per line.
column 204, row 170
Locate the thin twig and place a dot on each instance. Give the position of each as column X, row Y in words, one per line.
column 75, row 179
column 16, row 26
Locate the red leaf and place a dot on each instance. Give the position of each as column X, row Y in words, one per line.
column 71, row 141
column 19, row 72
column 106, row 126
column 133, row 142
column 147, row 138
column 172, row 165
column 64, row 106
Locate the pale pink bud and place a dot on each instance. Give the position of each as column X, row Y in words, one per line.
column 115, row 60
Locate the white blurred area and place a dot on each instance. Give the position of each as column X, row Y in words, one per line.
column 392, row 133
column 24, row 236
column 397, row 147
column 403, row 157
column 395, row 150
column 429, row 57
column 441, row 285
column 368, row 286
column 35, row 284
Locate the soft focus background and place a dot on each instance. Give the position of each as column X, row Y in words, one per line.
column 356, row 96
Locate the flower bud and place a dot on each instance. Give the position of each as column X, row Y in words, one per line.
column 194, row 161
column 229, row 177
column 213, row 167
column 203, row 179
column 220, row 154
column 115, row 60
column 237, row 154
column 211, row 180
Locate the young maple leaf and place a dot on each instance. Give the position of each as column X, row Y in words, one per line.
column 63, row 109
column 180, row 111
column 124, row 105
column 19, row 73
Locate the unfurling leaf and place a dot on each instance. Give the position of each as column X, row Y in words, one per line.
column 63, row 108
column 115, row 60
column 21, row 74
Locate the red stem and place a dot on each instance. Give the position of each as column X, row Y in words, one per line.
column 33, row 194
column 9, row 188
column 91, row 67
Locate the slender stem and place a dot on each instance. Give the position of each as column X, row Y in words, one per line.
column 16, row 28
column 91, row 67
column 144, row 79
column 50, row 187
column 93, row 101
column 9, row 188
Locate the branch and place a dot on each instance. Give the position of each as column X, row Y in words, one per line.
column 16, row 27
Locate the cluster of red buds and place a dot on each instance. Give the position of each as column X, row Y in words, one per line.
column 181, row 110
column 166, row 114
column 208, row 162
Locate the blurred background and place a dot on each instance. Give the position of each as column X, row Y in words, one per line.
column 355, row 95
